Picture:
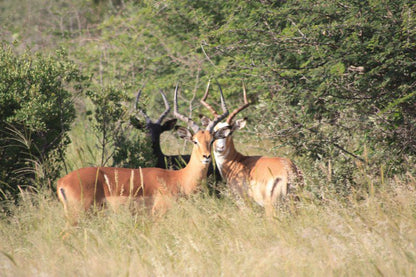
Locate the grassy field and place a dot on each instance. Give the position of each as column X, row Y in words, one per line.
column 207, row 236
column 368, row 233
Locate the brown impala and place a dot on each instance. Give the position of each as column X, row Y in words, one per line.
column 264, row 179
column 85, row 187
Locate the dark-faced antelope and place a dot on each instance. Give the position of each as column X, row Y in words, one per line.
column 263, row 179
column 154, row 130
column 85, row 187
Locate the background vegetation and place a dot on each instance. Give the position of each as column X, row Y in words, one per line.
column 332, row 86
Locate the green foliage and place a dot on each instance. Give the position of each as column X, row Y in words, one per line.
column 322, row 72
column 119, row 142
column 36, row 111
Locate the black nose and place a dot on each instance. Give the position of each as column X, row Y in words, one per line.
column 207, row 156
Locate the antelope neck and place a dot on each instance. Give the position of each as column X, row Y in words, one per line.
column 157, row 149
column 195, row 172
column 229, row 154
column 227, row 158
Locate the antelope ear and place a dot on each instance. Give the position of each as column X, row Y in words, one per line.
column 239, row 124
column 184, row 133
column 222, row 133
column 204, row 120
column 169, row 125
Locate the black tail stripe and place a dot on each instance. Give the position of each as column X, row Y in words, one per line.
column 63, row 193
column 276, row 181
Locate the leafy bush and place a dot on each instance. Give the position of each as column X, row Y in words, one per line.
column 341, row 83
column 36, row 111
column 119, row 142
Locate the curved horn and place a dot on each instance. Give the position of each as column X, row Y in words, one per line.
column 239, row 109
column 218, row 117
column 167, row 110
column 179, row 116
column 146, row 117
column 208, row 106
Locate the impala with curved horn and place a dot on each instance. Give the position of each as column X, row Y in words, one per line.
column 264, row 179
column 154, row 130
column 212, row 169
column 85, row 187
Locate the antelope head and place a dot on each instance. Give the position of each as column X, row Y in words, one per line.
column 154, row 128
column 223, row 130
column 202, row 139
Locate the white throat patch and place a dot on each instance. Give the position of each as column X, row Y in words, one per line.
column 220, row 156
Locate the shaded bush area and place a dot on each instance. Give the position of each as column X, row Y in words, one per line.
column 36, row 111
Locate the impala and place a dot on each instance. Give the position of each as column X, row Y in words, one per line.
column 154, row 130
column 263, row 179
column 85, row 187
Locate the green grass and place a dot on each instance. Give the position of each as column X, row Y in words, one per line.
column 82, row 151
column 206, row 236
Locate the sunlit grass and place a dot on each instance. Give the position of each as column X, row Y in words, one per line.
column 369, row 232
column 207, row 236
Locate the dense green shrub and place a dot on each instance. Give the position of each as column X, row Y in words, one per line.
column 36, row 111
column 340, row 82
column 119, row 143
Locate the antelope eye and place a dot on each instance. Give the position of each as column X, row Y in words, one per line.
column 195, row 142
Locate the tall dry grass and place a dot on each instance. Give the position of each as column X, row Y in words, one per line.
column 207, row 236
column 368, row 233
